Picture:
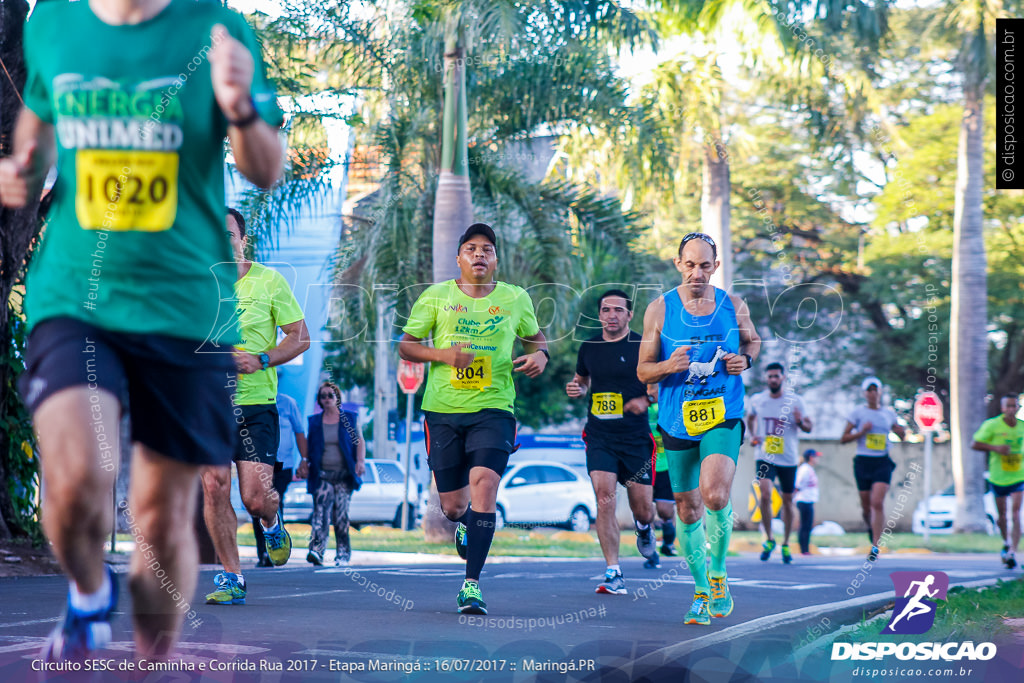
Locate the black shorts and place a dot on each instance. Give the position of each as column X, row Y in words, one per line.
column 179, row 400
column 871, row 469
column 458, row 442
column 259, row 433
column 785, row 473
column 1003, row 491
column 663, row 487
column 629, row 460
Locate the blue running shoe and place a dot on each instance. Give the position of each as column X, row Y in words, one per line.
column 229, row 591
column 613, row 583
column 81, row 632
column 721, row 600
column 766, row 549
column 698, row 613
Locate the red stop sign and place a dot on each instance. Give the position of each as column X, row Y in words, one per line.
column 410, row 376
column 928, row 411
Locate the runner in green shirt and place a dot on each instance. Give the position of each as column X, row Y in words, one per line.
column 1003, row 438
column 120, row 294
column 474, row 322
column 265, row 303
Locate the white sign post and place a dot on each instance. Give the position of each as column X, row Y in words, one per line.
column 410, row 377
column 928, row 416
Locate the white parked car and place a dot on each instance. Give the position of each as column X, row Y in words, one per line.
column 544, row 493
column 943, row 512
column 378, row 500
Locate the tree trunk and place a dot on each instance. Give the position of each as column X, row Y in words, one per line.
column 715, row 208
column 17, row 231
column 453, row 213
column 969, row 317
column 453, row 204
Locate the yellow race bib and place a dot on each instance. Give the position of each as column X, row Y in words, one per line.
column 702, row 414
column 875, row 442
column 1011, row 462
column 126, row 189
column 774, row 445
column 606, row 405
column 477, row 376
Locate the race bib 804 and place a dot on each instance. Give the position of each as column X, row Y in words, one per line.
column 476, row 376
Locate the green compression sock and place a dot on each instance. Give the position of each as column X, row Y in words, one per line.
column 719, row 533
column 695, row 550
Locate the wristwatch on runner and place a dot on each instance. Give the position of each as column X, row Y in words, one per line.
column 265, row 360
column 750, row 361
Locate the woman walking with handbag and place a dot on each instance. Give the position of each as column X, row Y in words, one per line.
column 337, row 461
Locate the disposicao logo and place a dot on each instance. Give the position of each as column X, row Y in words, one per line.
column 914, row 614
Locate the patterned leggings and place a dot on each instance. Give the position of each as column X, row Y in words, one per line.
column 330, row 507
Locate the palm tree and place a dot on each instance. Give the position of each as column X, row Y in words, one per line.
column 968, row 352
column 772, row 45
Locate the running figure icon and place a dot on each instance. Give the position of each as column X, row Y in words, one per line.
column 915, row 606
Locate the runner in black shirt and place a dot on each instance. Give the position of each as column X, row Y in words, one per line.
column 619, row 442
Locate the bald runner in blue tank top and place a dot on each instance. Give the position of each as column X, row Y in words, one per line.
column 697, row 341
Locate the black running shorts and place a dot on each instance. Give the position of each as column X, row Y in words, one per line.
column 458, row 442
column 259, row 433
column 630, row 461
column 786, row 474
column 179, row 400
column 871, row 469
column 663, row 487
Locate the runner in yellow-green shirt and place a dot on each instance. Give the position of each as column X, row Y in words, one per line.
column 1002, row 437
column 265, row 303
column 474, row 322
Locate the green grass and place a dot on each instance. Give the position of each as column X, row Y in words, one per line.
column 950, row 543
column 966, row 614
column 538, row 542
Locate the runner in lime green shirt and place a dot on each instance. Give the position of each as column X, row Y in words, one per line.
column 265, row 303
column 134, row 98
column 1002, row 437
column 474, row 322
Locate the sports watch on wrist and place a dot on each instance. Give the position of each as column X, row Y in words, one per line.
column 264, row 360
column 750, row 361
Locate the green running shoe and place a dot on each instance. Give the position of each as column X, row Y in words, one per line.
column 698, row 613
column 470, row 601
column 229, row 590
column 460, row 540
column 279, row 543
column 787, row 556
column 721, row 600
column 766, row 549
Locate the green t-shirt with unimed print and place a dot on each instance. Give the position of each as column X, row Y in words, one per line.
column 490, row 325
column 135, row 239
column 1003, row 470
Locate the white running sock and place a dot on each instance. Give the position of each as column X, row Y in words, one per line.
column 273, row 527
column 615, row 568
column 92, row 602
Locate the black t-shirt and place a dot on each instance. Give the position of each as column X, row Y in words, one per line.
column 611, row 367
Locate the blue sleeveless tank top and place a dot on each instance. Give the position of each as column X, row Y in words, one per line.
column 693, row 402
